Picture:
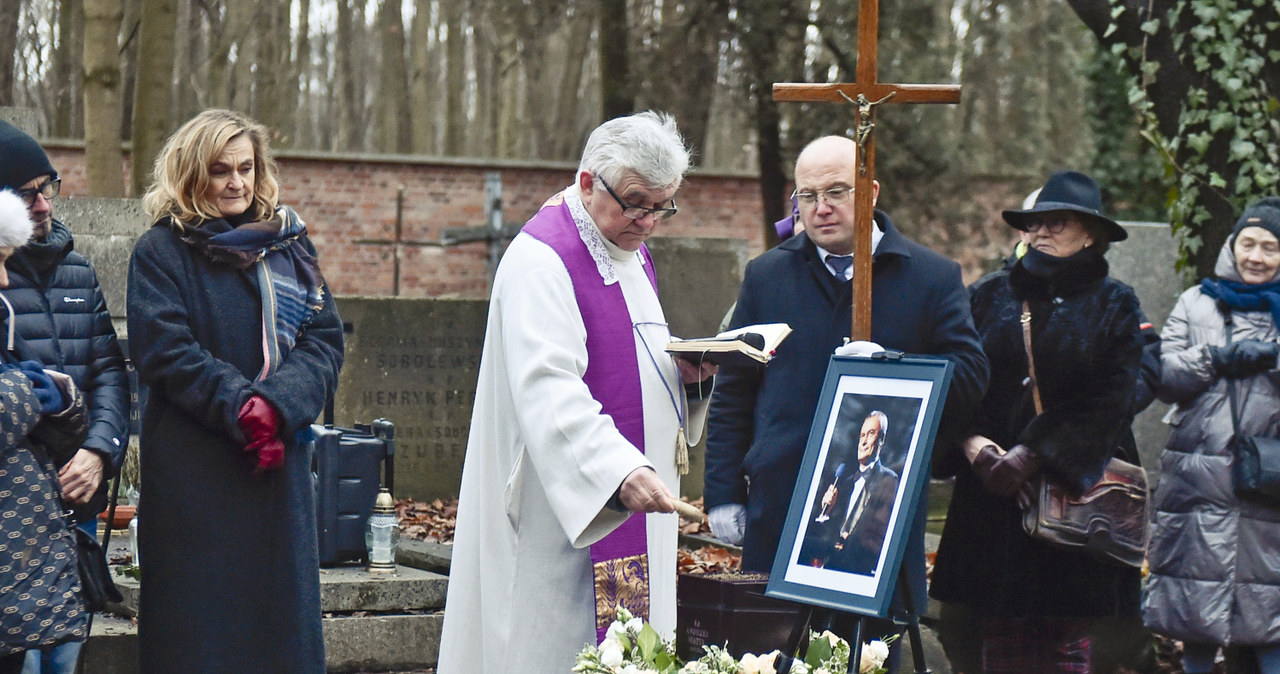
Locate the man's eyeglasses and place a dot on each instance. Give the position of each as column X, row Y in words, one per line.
column 638, row 212
column 834, row 196
column 48, row 190
column 1054, row 224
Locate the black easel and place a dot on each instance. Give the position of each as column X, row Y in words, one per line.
column 822, row 618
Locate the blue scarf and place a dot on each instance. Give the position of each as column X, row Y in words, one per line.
column 1245, row 296
column 289, row 278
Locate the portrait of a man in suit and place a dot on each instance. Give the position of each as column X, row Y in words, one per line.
column 853, row 512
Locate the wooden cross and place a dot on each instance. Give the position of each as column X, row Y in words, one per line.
column 866, row 93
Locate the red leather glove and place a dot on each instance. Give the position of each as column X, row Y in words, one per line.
column 1004, row 474
column 260, row 424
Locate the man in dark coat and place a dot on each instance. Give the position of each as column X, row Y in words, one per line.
column 760, row 417
column 61, row 320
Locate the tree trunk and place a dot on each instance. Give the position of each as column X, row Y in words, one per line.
column 617, row 95
column 130, row 25
column 154, row 89
column 303, row 128
column 393, row 81
column 102, row 102
column 424, row 99
column 62, row 119
column 351, row 98
column 10, row 12
column 455, row 107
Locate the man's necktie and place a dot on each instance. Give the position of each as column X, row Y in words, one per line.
column 839, row 265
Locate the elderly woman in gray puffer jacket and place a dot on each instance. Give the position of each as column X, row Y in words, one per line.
column 1215, row 560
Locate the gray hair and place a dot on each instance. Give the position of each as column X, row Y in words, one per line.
column 884, row 428
column 15, row 223
column 646, row 144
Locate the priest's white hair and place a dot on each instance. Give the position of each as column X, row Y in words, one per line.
column 646, row 144
column 15, row 224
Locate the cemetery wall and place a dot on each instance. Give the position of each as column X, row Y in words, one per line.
column 350, row 205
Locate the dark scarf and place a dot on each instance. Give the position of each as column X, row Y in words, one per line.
column 1245, row 297
column 1042, row 276
column 38, row 259
column 289, row 278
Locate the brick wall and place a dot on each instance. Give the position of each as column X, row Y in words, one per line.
column 349, row 202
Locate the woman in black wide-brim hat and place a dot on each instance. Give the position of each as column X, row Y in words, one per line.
column 1037, row 602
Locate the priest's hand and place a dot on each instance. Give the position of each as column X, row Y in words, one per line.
column 692, row 373
column 643, row 492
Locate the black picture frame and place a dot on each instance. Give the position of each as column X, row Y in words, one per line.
column 844, row 553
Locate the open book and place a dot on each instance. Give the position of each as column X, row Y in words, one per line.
column 748, row 345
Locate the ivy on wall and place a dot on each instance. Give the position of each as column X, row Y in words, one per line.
column 1225, row 150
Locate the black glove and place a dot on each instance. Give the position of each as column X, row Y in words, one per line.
column 1004, row 474
column 1244, row 358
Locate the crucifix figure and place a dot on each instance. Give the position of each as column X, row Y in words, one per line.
column 866, row 93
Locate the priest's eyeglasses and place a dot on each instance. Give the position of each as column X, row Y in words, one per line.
column 834, row 196
column 49, row 190
column 638, row 212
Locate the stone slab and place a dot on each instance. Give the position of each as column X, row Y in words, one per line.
column 379, row 643
column 1146, row 262
column 414, row 362
column 425, row 555
column 352, row 588
column 346, row 589
column 112, row 647
column 382, row 643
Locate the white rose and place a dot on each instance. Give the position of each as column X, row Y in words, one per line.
column 634, row 625
column 831, row 637
column 615, row 630
column 767, row 662
column 874, row 654
column 610, row 653
column 749, row 664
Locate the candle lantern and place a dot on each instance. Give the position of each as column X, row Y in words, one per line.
column 382, row 537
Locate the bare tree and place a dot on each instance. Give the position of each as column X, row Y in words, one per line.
column 393, row 81
column 10, row 12
column 617, row 94
column 455, row 105
column 102, row 102
column 65, row 70
column 153, row 92
column 424, row 105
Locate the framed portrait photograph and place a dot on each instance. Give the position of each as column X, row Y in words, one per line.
column 864, row 469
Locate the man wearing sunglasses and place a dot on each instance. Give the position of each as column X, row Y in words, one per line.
column 61, row 320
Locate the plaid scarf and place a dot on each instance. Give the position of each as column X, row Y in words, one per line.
column 289, row 278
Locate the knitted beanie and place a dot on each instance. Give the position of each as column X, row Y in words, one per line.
column 1264, row 213
column 21, row 158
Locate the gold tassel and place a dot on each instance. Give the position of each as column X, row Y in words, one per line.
column 682, row 453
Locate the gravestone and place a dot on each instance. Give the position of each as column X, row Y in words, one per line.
column 27, row 119
column 105, row 231
column 1146, row 261
column 414, row 362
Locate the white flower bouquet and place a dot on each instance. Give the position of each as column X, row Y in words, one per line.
column 632, row 646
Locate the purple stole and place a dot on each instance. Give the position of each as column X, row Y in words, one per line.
column 620, row 560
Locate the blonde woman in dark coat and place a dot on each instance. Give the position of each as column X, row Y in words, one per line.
column 235, row 333
column 1215, row 560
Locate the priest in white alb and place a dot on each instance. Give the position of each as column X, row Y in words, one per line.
column 581, row 422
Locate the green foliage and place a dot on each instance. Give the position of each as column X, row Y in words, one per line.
column 1227, row 142
column 1131, row 172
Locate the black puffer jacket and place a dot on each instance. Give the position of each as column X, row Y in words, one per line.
column 62, row 321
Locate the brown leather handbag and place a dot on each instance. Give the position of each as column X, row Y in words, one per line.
column 1108, row 521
